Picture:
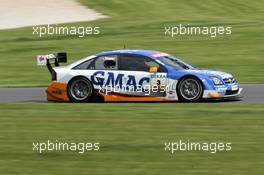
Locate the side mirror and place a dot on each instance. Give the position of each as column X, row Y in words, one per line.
column 153, row 69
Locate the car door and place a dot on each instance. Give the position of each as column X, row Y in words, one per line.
column 139, row 80
column 101, row 71
column 106, row 78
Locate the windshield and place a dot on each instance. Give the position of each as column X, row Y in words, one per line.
column 175, row 63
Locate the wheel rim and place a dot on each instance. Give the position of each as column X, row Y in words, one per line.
column 80, row 90
column 190, row 89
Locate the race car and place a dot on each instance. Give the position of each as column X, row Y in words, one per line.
column 134, row 75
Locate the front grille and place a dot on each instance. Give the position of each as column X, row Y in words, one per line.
column 230, row 92
column 229, row 80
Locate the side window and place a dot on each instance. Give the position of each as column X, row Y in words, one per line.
column 138, row 63
column 106, row 63
column 84, row 65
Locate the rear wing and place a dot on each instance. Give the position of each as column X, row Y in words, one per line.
column 48, row 60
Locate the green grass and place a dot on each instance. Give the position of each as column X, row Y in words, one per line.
column 131, row 138
column 140, row 25
column 132, row 135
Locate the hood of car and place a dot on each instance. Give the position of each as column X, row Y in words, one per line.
column 217, row 73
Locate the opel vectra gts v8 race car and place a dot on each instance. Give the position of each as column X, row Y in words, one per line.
column 134, row 75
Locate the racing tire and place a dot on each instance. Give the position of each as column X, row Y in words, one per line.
column 80, row 90
column 190, row 89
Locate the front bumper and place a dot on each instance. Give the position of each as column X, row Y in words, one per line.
column 224, row 93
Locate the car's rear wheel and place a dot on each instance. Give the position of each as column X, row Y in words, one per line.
column 190, row 89
column 80, row 89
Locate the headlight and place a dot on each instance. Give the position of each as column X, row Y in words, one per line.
column 216, row 81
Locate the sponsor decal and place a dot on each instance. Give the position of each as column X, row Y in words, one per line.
column 56, row 92
column 108, row 82
column 158, row 76
column 100, row 79
column 158, row 54
column 41, row 60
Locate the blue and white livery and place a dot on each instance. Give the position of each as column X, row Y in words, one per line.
column 137, row 75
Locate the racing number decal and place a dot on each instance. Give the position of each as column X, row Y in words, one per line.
column 158, row 84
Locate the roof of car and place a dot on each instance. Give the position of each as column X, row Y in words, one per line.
column 137, row 52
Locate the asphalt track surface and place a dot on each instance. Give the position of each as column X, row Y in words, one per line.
column 251, row 94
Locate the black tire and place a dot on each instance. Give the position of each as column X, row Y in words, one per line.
column 190, row 89
column 80, row 89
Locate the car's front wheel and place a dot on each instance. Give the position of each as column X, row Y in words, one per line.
column 190, row 89
column 80, row 89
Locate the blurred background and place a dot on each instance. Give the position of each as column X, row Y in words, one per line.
column 137, row 25
column 131, row 135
